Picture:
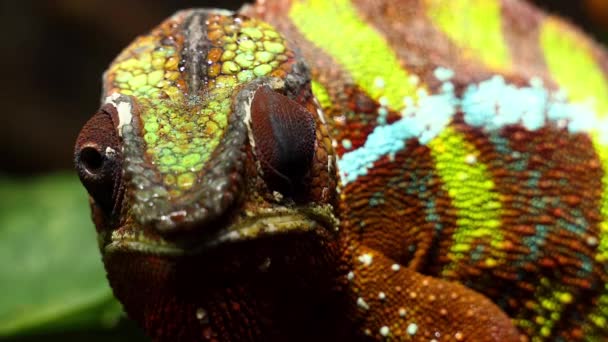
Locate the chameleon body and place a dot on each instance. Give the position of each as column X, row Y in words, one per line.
column 356, row 170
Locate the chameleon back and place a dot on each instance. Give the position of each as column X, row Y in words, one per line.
column 471, row 142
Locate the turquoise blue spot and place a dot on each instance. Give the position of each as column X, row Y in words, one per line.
column 491, row 105
column 580, row 116
column 382, row 114
column 501, row 144
column 578, row 228
column 494, row 104
column 586, row 267
column 534, row 243
column 586, row 264
column 423, row 121
column 376, row 199
column 447, row 87
column 538, row 204
column 477, row 253
column 347, row 144
column 443, row 74
column 535, row 177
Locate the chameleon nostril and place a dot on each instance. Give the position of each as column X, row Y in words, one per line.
column 91, row 159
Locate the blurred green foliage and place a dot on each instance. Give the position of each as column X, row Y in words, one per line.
column 52, row 281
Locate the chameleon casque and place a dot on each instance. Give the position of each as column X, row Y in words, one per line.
column 340, row 170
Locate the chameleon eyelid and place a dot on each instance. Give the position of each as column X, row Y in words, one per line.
column 284, row 133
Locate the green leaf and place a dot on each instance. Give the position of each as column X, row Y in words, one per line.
column 51, row 274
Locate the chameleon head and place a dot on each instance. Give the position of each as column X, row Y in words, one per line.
column 208, row 137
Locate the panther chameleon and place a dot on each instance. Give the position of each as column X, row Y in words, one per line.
column 311, row 170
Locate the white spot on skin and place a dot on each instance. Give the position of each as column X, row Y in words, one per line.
column 381, row 296
column 201, row 315
column 401, row 312
column 123, row 108
column 413, row 80
column 277, row 196
column 470, row 159
column 412, row 328
column 591, row 241
column 379, row 82
column 340, row 120
column 366, row 259
column 395, row 267
column 362, row 304
column 350, row 276
column 384, row 331
column 383, row 101
column 110, row 152
column 320, row 114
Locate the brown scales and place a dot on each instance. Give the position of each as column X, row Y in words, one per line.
column 397, row 222
column 369, row 284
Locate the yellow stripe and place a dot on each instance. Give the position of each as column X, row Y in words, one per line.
column 571, row 63
column 597, row 324
column 551, row 299
column 475, row 26
column 360, row 49
column 470, row 186
column 602, row 151
column 321, row 94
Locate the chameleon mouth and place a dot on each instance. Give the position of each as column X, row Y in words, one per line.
column 262, row 224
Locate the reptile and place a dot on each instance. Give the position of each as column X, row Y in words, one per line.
column 315, row 170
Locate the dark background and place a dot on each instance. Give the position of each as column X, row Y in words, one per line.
column 53, row 55
column 54, row 52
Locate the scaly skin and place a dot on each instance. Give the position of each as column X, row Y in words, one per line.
column 356, row 170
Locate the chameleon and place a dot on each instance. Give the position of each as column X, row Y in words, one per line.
column 349, row 170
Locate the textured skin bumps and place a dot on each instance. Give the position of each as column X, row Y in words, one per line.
column 457, row 191
column 507, row 196
column 487, row 45
column 184, row 101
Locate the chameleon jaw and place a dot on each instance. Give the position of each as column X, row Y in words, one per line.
column 265, row 223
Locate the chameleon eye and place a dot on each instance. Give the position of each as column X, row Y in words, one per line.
column 285, row 137
column 98, row 161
